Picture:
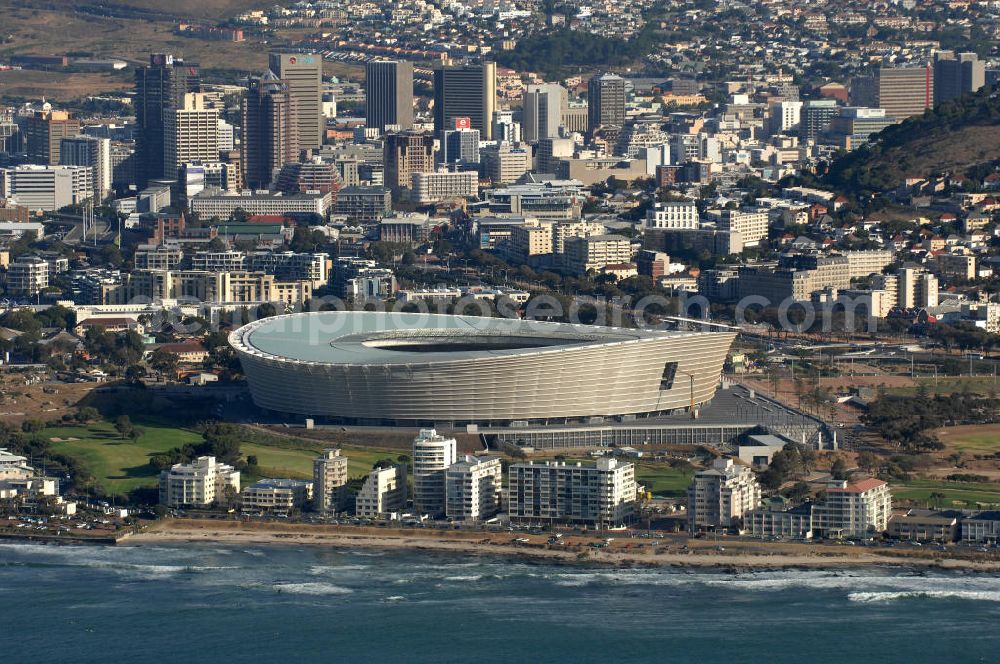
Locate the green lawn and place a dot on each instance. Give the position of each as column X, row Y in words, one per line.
column 662, row 480
column 955, row 493
column 118, row 465
column 297, row 463
column 974, row 438
column 949, row 384
column 122, row 465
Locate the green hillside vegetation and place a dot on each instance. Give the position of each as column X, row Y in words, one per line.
column 557, row 52
column 954, row 137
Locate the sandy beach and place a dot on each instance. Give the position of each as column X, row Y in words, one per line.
column 669, row 552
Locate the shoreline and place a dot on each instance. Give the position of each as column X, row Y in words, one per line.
column 738, row 555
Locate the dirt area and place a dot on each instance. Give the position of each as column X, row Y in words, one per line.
column 40, row 401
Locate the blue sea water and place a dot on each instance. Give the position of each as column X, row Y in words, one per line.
column 280, row 604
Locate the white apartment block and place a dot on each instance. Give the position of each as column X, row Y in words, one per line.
column 158, row 256
column 603, row 494
column 329, row 478
column 47, row 188
column 222, row 204
column 592, row 253
column 720, row 496
column 752, row 225
column 853, row 510
column 871, row 261
column 473, row 488
column 432, row 456
column 276, row 496
column 441, row 186
column 383, row 492
column 190, row 133
column 28, row 275
column 200, row 483
column 563, row 230
column 673, row 215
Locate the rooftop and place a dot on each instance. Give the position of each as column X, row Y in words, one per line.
column 394, row 338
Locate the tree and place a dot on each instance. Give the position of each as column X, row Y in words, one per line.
column 839, row 469
column 123, row 425
column 163, row 362
column 868, row 462
column 799, row 492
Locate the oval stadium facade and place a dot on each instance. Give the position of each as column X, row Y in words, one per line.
column 408, row 369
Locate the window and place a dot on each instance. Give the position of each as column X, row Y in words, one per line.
column 667, row 378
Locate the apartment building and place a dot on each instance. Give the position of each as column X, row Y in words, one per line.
column 432, row 456
column 27, row 275
column 916, row 288
column 872, row 261
column 602, row 495
column 720, row 496
column 853, row 510
column 364, row 204
column 329, row 479
column 442, row 186
column 158, row 256
column 505, row 162
column 752, row 225
column 276, row 496
column 383, row 492
column 473, row 488
column 200, row 483
column 955, row 267
column 673, row 215
column 583, row 254
column 530, row 241
column 221, row 205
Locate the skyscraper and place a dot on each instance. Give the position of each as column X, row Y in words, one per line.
column 44, row 132
column 407, row 152
column 606, row 102
column 270, row 130
column 467, row 91
column 460, row 146
column 389, row 94
column 817, row 114
column 542, row 111
column 957, row 75
column 302, row 73
column 90, row 151
column 905, row 91
column 158, row 87
column 190, row 133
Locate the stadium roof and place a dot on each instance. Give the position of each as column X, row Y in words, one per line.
column 389, row 338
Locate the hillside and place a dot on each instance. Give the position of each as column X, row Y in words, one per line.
column 172, row 9
column 952, row 138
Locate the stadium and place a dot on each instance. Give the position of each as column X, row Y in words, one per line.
column 416, row 369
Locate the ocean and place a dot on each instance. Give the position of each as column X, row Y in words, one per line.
column 219, row 603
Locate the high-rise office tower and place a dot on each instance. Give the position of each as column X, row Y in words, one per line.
column 957, row 74
column 302, row 73
column 389, row 94
column 44, row 132
column 270, row 130
column 407, row 152
column 460, row 146
column 90, row 151
column 467, row 91
column 542, row 111
column 159, row 87
column 905, row 91
column 606, row 102
column 817, row 114
column 505, row 128
column 190, row 133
